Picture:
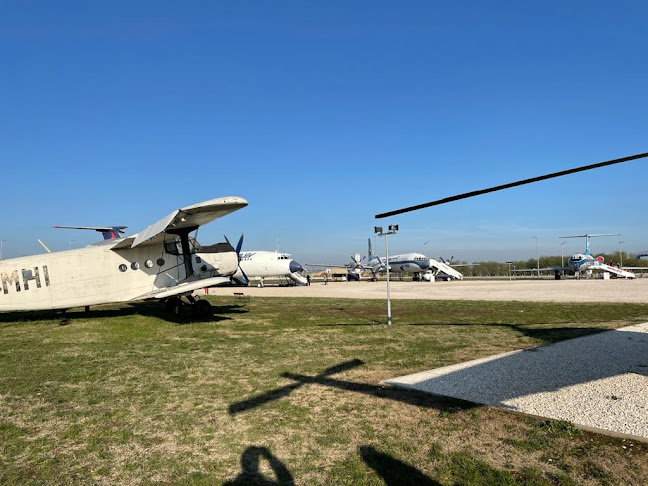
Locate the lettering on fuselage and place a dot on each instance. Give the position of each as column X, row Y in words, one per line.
column 9, row 280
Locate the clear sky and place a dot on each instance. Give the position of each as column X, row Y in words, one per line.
column 323, row 114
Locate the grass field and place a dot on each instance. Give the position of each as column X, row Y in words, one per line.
column 286, row 391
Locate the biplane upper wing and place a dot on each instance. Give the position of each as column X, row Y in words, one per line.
column 189, row 217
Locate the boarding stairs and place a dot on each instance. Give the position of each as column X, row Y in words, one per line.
column 439, row 267
column 617, row 271
column 298, row 279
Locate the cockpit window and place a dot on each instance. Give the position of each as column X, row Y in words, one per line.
column 175, row 247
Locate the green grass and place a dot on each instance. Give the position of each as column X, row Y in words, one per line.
column 287, row 390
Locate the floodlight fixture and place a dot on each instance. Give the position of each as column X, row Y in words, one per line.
column 377, row 229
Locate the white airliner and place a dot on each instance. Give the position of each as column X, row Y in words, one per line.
column 415, row 263
column 584, row 263
column 257, row 265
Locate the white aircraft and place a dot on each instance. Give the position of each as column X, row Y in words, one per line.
column 415, row 263
column 257, row 265
column 162, row 263
column 584, row 263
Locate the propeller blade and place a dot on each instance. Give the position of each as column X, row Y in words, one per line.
column 241, row 281
column 239, row 245
column 227, row 239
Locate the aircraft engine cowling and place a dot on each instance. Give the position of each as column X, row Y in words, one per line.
column 218, row 260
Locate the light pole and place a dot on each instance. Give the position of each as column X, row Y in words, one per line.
column 424, row 248
column 562, row 255
column 620, row 255
column 70, row 244
column 393, row 228
column 1, row 247
column 509, row 264
column 537, row 255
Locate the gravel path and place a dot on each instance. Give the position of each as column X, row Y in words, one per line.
column 598, row 381
column 616, row 290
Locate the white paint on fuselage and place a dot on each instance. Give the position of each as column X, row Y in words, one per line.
column 263, row 264
column 92, row 275
column 406, row 263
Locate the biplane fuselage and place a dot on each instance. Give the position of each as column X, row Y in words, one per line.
column 163, row 263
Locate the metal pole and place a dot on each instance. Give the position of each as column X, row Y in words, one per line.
column 1, row 248
column 389, row 316
column 620, row 255
column 562, row 255
column 424, row 248
column 537, row 256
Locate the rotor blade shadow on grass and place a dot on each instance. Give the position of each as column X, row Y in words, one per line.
column 393, row 471
column 411, row 397
column 284, row 391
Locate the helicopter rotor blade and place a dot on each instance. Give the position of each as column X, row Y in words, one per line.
column 466, row 195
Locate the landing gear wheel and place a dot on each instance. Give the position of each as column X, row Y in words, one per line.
column 202, row 308
column 174, row 306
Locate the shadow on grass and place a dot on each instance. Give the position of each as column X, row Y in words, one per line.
column 411, row 397
column 365, row 320
column 354, row 324
column 393, row 471
column 150, row 309
column 546, row 334
column 251, row 472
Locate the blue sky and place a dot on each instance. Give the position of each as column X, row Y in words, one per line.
column 323, row 114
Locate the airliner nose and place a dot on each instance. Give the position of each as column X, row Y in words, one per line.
column 425, row 265
column 295, row 267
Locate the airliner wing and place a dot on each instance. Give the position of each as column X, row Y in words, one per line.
column 324, row 265
column 545, row 269
column 190, row 217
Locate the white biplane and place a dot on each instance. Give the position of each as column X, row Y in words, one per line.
column 162, row 263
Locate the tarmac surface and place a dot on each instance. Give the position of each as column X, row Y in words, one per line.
column 596, row 290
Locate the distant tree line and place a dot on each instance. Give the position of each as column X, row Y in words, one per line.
column 499, row 269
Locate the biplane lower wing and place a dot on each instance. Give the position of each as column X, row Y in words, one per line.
column 184, row 288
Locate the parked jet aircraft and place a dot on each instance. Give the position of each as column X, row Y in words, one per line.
column 581, row 263
column 162, row 262
column 257, row 265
